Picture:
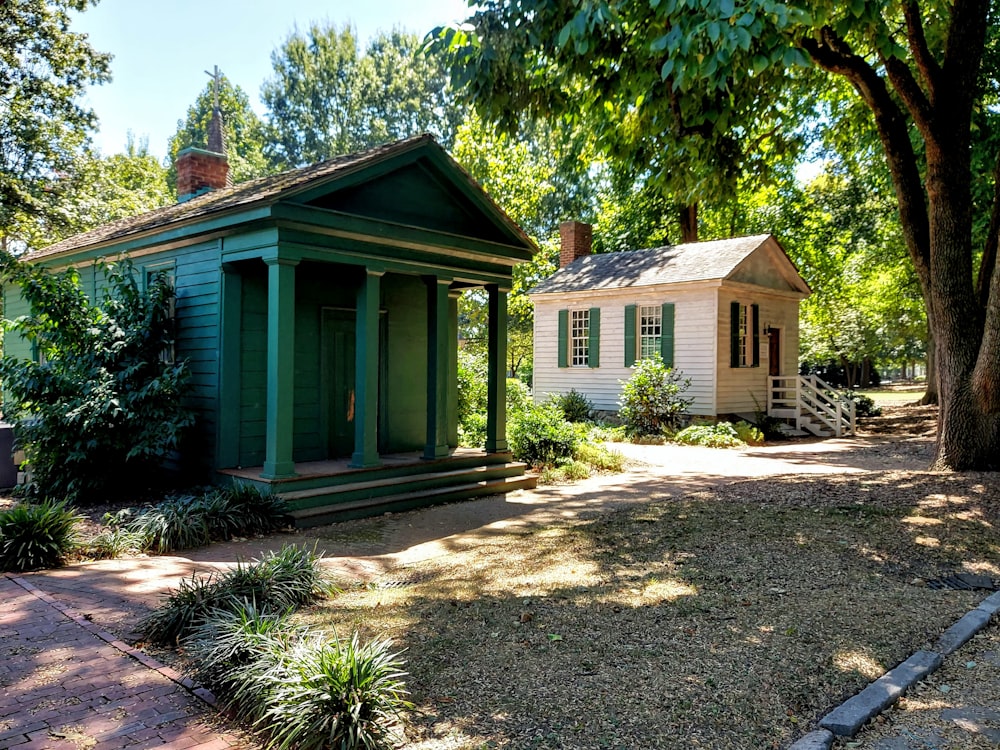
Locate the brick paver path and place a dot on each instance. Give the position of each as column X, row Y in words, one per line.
column 63, row 685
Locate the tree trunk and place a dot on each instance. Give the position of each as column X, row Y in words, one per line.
column 968, row 437
column 688, row 216
column 931, row 394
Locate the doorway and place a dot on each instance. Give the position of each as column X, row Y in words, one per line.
column 774, row 351
column 337, row 381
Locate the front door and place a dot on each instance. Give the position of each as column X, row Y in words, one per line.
column 774, row 352
column 338, row 381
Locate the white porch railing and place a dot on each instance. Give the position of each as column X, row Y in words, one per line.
column 813, row 404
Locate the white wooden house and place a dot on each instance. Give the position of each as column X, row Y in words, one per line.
column 724, row 312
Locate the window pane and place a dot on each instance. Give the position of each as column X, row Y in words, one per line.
column 580, row 338
column 650, row 330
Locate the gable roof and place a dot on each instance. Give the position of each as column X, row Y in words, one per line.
column 268, row 190
column 713, row 260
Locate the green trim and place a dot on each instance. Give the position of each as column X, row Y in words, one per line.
column 564, row 338
column 734, row 334
column 227, row 440
column 630, row 347
column 755, row 322
column 437, row 367
column 496, row 398
column 667, row 333
column 280, row 409
column 594, row 340
column 367, row 371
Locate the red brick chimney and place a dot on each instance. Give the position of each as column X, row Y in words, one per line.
column 575, row 241
column 201, row 170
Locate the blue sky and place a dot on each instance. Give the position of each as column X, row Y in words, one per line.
column 161, row 49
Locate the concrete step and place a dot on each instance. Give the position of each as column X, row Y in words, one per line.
column 342, row 511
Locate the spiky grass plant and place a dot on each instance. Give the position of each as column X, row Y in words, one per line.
column 37, row 535
column 278, row 582
column 175, row 523
column 255, row 511
column 113, row 543
column 332, row 694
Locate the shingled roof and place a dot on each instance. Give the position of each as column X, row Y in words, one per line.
column 691, row 261
column 261, row 191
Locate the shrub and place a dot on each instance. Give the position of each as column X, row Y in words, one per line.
column 100, row 410
column 187, row 521
column 748, row 433
column 277, row 582
column 721, row 435
column 518, row 398
column 599, row 457
column 651, row 399
column 36, row 535
column 472, row 387
column 574, row 405
column 541, row 436
column 864, row 406
column 333, row 694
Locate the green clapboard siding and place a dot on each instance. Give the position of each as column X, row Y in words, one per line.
column 404, row 388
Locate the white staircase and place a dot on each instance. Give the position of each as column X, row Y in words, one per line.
column 811, row 405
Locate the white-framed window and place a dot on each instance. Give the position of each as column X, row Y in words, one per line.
column 744, row 335
column 579, row 339
column 650, row 330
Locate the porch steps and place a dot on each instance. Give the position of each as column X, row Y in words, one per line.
column 323, row 514
column 329, row 505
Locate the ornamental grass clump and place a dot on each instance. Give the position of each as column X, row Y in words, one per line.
column 278, row 582
column 34, row 536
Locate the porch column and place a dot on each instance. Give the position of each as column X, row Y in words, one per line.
column 437, row 366
column 366, row 372
column 280, row 368
column 496, row 403
column 227, row 448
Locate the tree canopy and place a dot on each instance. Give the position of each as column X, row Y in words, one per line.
column 714, row 83
column 44, row 69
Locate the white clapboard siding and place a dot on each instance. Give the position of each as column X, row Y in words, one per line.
column 694, row 353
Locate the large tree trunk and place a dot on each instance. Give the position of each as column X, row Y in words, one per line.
column 688, row 216
column 968, row 436
column 931, row 394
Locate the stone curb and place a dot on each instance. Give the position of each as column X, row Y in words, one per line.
column 852, row 714
column 146, row 660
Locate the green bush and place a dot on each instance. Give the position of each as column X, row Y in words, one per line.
column 34, row 536
column 541, row 436
column 187, row 521
column 518, row 398
column 333, row 694
column 277, row 582
column 574, row 405
column 472, row 393
column 864, row 406
column 748, row 433
column 599, row 457
column 721, row 435
column 99, row 410
column 652, row 400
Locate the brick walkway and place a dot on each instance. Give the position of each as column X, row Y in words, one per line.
column 65, row 683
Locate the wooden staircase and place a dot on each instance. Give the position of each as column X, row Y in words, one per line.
column 329, row 494
column 811, row 405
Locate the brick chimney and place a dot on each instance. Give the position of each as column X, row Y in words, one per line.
column 575, row 240
column 200, row 170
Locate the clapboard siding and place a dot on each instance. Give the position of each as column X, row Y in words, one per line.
column 693, row 347
column 739, row 386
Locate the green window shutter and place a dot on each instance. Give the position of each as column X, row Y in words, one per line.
column 629, row 335
column 734, row 334
column 564, row 338
column 594, row 344
column 667, row 334
column 754, row 318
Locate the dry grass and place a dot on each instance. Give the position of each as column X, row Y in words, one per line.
column 725, row 619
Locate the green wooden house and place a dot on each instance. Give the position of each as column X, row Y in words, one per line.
column 318, row 311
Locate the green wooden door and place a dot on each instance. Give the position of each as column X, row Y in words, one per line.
column 337, row 381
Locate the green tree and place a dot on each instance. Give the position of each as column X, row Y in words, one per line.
column 327, row 98
column 99, row 408
column 242, row 130
column 923, row 71
column 44, row 70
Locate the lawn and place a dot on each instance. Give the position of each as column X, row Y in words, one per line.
column 894, row 396
column 730, row 618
